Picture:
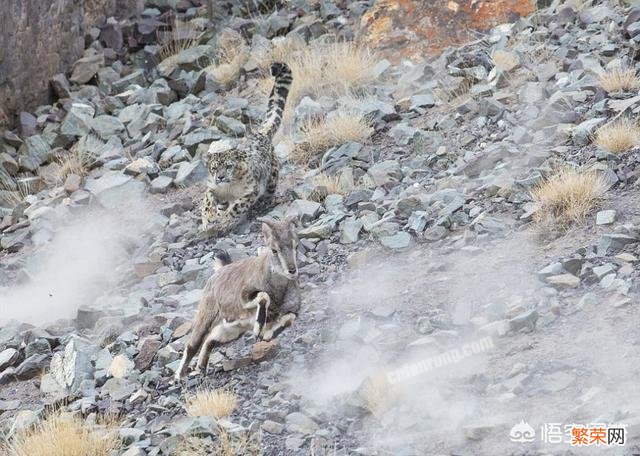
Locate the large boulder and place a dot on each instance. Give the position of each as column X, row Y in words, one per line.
column 58, row 28
column 413, row 28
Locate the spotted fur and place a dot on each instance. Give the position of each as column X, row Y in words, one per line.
column 241, row 179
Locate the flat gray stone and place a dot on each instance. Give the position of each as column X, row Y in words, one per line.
column 400, row 240
column 8, row 358
column 606, row 217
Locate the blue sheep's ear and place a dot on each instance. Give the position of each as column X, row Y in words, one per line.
column 267, row 229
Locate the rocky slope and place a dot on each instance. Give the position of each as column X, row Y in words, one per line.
column 426, row 245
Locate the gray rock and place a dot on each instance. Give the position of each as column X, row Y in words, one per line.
column 143, row 165
column 115, row 190
column 32, row 367
column 614, row 243
column 201, row 426
column 161, row 184
column 86, row 317
column 272, row 427
column 308, row 110
column 192, row 140
column 400, row 240
column 121, row 366
column 106, row 126
column 605, row 217
column 525, row 320
column 322, row 228
column 71, row 367
column 118, row 389
column 7, row 406
column 350, row 230
column 12, row 242
column 130, row 435
column 40, row 346
column 60, row 85
column 604, row 270
column 134, row 451
column 72, row 183
column 552, row 269
column 385, row 172
column 230, row 126
column 563, row 281
column 300, row 423
column 8, row 358
column 420, row 100
column 403, row 134
column 78, row 120
column 306, row 210
column 37, row 152
column 194, row 58
column 166, row 355
column 190, row 173
column 135, row 78
column 87, row 67
column 583, row 132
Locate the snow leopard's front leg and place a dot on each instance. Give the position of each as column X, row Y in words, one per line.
column 209, row 210
column 234, row 215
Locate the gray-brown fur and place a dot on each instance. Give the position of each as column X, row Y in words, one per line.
column 241, row 179
column 238, row 293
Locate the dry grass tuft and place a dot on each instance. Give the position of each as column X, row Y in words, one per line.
column 618, row 136
column 619, row 79
column 333, row 184
column 216, row 403
column 179, row 37
column 13, row 193
column 331, row 69
column 75, row 162
column 232, row 54
column 238, row 444
column 63, row 434
column 192, row 446
column 227, row 444
column 320, row 135
column 567, row 197
column 453, row 92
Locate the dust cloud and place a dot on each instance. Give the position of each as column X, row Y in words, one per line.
column 83, row 261
column 466, row 401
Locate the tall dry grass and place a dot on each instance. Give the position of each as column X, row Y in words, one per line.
column 619, row 79
column 567, row 197
column 216, row 403
column 331, row 69
column 320, row 135
column 64, row 434
column 232, row 54
column 618, row 136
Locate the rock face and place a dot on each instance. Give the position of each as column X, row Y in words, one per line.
column 57, row 29
column 414, row 28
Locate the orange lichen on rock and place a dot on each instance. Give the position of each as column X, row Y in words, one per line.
column 413, row 28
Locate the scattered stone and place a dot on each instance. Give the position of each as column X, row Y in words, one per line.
column 563, row 281
column 300, row 423
column 605, row 217
column 121, row 366
column 264, row 350
column 8, row 358
column 398, row 241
